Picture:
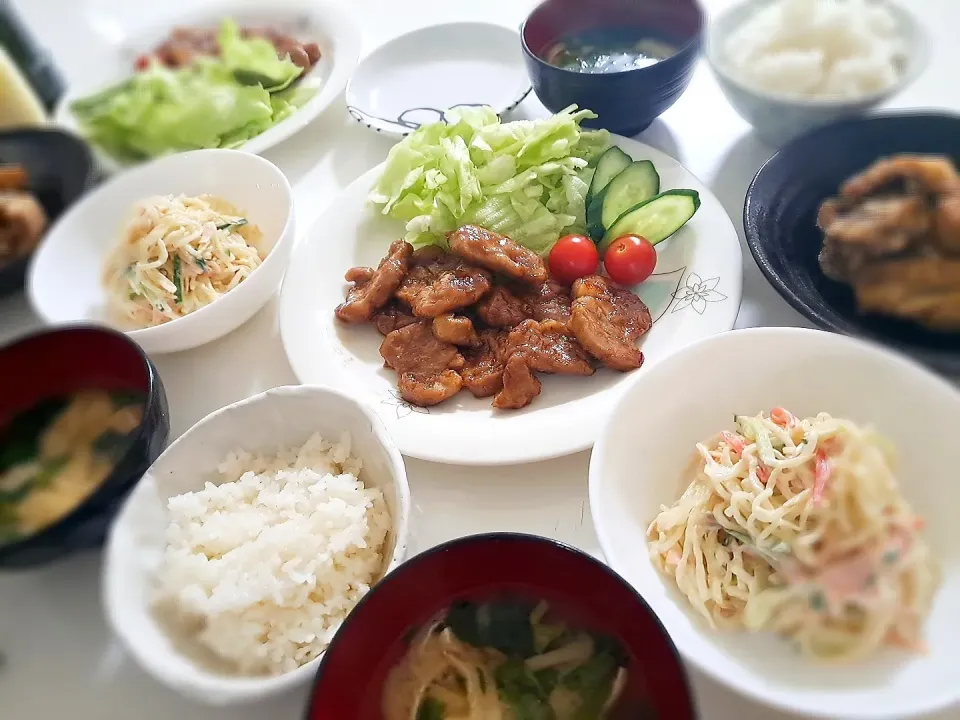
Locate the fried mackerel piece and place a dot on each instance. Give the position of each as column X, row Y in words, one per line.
column 373, row 289
column 427, row 367
column 498, row 253
column 608, row 321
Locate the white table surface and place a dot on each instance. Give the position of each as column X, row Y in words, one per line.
column 61, row 659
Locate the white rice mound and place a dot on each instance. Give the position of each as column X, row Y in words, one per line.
column 267, row 565
column 817, row 49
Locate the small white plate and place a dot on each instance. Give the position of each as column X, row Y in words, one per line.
column 646, row 443
column 64, row 281
column 324, row 22
column 415, row 78
column 694, row 293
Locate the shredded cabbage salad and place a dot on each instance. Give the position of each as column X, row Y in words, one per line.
column 527, row 179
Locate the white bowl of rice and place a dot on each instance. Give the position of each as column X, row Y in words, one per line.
column 789, row 66
column 805, row 553
column 241, row 551
column 177, row 252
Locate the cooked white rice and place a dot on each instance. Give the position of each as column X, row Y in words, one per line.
column 817, row 49
column 267, row 564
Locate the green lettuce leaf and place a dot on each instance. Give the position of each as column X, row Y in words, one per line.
column 160, row 111
column 527, row 179
column 254, row 61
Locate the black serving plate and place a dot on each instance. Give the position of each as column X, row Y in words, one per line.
column 55, row 363
column 779, row 220
column 59, row 167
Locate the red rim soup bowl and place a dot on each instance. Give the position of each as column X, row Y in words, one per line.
column 481, row 567
column 59, row 362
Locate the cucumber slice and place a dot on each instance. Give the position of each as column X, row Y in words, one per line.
column 656, row 219
column 610, row 164
column 636, row 184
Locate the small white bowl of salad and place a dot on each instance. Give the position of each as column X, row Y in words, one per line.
column 232, row 75
column 176, row 252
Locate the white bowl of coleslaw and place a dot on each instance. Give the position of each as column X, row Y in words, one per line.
column 839, row 549
column 204, row 238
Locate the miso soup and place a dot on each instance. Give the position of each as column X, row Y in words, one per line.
column 609, row 50
column 56, row 454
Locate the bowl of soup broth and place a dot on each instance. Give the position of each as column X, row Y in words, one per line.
column 501, row 625
column 83, row 414
column 627, row 60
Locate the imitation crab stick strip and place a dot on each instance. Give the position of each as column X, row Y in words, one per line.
column 821, row 476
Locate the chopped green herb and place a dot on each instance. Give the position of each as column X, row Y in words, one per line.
column 178, row 279
column 12, row 497
column 202, row 264
column 743, row 538
column 231, row 225
column 890, row 557
column 817, row 601
column 122, row 398
column 431, row 709
column 593, row 682
column 521, row 689
column 502, row 626
column 111, row 444
column 50, row 469
column 133, row 295
column 20, row 441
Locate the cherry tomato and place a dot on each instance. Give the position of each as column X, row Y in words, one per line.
column 630, row 260
column 573, row 257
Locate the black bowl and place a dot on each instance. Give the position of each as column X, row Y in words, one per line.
column 779, row 220
column 59, row 167
column 628, row 101
column 58, row 362
column 373, row 638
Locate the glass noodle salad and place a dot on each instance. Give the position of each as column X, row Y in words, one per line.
column 798, row 526
column 177, row 255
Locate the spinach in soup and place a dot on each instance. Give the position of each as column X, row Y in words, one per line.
column 609, row 50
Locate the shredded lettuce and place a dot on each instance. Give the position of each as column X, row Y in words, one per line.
column 215, row 102
column 526, row 179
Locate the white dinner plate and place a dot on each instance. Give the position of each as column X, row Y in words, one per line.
column 695, row 292
column 415, row 78
column 324, row 22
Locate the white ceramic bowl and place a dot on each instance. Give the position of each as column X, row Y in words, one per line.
column 278, row 418
column 777, row 119
column 64, row 280
column 637, row 466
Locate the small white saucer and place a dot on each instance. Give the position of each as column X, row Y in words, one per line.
column 415, row 78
